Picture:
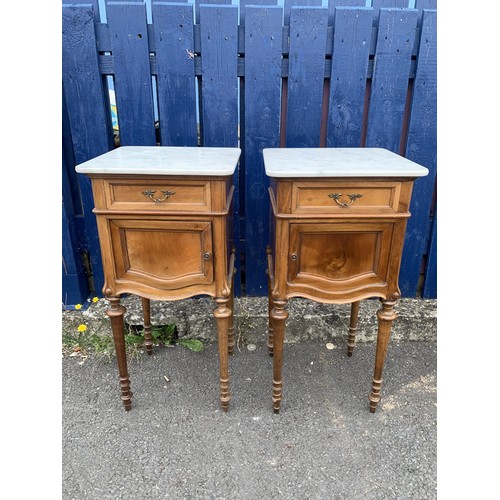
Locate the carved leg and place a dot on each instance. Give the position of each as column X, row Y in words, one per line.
column 270, row 337
column 148, row 338
column 386, row 316
column 230, row 332
column 223, row 313
column 279, row 316
column 115, row 312
column 353, row 325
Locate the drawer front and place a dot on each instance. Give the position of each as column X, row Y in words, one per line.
column 170, row 196
column 165, row 255
column 345, row 197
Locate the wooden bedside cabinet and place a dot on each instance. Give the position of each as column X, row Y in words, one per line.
column 165, row 231
column 337, row 234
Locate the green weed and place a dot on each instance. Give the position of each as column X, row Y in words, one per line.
column 98, row 341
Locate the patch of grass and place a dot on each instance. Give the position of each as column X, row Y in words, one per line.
column 96, row 340
column 85, row 343
column 168, row 335
column 87, row 331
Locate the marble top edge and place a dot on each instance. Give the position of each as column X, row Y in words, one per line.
column 339, row 162
column 164, row 160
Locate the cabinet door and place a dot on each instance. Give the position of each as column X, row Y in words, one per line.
column 162, row 254
column 344, row 258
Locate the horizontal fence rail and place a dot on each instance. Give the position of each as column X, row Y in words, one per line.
column 254, row 76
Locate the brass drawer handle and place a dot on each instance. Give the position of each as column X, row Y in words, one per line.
column 352, row 197
column 166, row 194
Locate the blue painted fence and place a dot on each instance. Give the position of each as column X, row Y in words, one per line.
column 257, row 75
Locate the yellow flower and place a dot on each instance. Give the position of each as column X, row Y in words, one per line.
column 95, row 299
column 82, row 328
column 78, row 306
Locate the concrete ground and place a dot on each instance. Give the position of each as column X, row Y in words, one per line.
column 176, row 443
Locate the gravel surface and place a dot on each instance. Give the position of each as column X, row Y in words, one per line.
column 176, row 443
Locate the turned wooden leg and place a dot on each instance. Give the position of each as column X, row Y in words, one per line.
column 223, row 313
column 279, row 316
column 230, row 331
column 270, row 336
column 386, row 316
column 353, row 325
column 115, row 312
column 148, row 338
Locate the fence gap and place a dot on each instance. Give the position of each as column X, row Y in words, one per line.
column 406, row 118
column 324, row 113
column 366, row 107
column 284, row 109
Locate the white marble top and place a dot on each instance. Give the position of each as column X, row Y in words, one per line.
column 163, row 160
column 339, row 162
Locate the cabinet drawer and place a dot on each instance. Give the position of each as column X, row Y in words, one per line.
column 345, row 196
column 170, row 196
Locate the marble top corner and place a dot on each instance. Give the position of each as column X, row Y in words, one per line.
column 164, row 160
column 339, row 162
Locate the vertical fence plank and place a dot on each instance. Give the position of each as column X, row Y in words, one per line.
column 398, row 4
column 333, row 4
column 244, row 3
column 263, row 46
column 430, row 282
column 88, row 116
column 69, row 210
column 219, row 35
column 175, row 78
column 133, row 89
column 308, row 30
column 394, row 4
column 351, row 46
column 288, row 4
column 421, row 148
column 71, row 189
column 75, row 288
column 396, row 36
column 197, row 4
column 74, row 279
column 219, row 91
column 424, row 4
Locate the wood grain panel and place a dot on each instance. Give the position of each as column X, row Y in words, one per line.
column 161, row 253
